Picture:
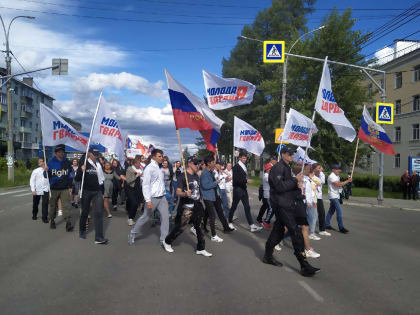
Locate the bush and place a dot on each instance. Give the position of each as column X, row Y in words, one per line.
column 391, row 183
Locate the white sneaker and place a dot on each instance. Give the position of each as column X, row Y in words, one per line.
column 255, row 228
column 216, row 239
column 314, row 237
column 204, row 253
column 311, row 253
column 193, row 231
column 232, row 226
column 325, row 233
column 167, row 247
column 130, row 222
column 277, row 247
column 131, row 238
column 60, row 213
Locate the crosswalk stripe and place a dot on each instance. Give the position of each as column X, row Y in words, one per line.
column 13, row 192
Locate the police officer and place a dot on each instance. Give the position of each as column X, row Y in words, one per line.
column 285, row 192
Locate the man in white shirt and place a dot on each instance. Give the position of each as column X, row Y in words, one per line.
column 334, row 186
column 40, row 186
column 154, row 197
column 319, row 180
column 229, row 186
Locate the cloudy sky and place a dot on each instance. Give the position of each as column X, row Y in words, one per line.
column 123, row 48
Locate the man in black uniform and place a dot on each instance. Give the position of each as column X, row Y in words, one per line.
column 285, row 192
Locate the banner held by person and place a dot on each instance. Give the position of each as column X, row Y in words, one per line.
column 106, row 131
column 299, row 157
column 328, row 108
column 55, row 130
column 297, row 128
column 247, row 137
column 224, row 93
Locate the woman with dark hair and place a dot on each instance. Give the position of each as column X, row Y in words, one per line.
column 110, row 175
column 75, row 184
column 133, row 189
column 118, row 184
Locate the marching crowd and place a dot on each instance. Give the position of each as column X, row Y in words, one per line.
column 194, row 194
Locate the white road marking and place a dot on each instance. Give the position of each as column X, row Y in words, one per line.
column 21, row 195
column 13, row 192
column 311, row 291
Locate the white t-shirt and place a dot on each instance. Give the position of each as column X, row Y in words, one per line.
column 229, row 186
column 222, row 177
column 266, row 186
column 333, row 190
column 319, row 181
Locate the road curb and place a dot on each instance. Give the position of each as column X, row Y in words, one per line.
column 14, row 187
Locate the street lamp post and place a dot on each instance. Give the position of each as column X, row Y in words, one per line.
column 10, row 149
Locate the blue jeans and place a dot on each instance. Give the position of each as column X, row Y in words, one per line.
column 312, row 215
column 223, row 196
column 174, row 185
column 170, row 199
column 334, row 206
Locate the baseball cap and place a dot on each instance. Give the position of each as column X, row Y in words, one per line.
column 267, row 166
column 287, row 149
column 93, row 150
column 192, row 159
column 336, row 167
column 60, row 147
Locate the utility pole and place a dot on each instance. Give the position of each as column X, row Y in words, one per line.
column 10, row 148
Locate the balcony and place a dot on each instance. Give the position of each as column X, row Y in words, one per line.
column 24, row 114
column 26, row 145
column 25, row 130
column 26, row 99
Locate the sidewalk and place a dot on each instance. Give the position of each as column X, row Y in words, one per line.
column 400, row 204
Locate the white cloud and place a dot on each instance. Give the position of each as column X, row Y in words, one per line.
column 99, row 81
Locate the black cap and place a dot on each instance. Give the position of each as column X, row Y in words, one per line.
column 192, row 159
column 287, row 149
column 273, row 157
column 336, row 167
column 60, row 147
column 93, row 150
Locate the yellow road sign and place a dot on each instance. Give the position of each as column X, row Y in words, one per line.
column 277, row 138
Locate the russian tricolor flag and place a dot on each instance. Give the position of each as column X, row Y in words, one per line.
column 372, row 133
column 191, row 112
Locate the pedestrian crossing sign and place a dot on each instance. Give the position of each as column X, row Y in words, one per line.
column 273, row 51
column 384, row 113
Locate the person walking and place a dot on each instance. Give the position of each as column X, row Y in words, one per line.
column 414, row 183
column 285, row 190
column 133, row 189
column 221, row 175
column 405, row 185
column 75, row 185
column 118, row 185
column 266, row 206
column 240, row 193
column 229, row 187
column 154, row 195
column 92, row 194
column 319, row 180
column 110, row 177
column 177, row 170
column 168, row 186
column 40, row 188
column 189, row 201
column 334, row 186
column 59, row 170
column 210, row 193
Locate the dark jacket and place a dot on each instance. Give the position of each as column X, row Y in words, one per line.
column 91, row 178
column 59, row 174
column 239, row 177
column 284, row 190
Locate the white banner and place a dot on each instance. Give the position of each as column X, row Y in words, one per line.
column 224, row 93
column 328, row 108
column 247, row 137
column 299, row 157
column 55, row 130
column 296, row 130
column 107, row 132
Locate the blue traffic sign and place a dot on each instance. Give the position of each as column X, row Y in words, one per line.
column 384, row 113
column 273, row 51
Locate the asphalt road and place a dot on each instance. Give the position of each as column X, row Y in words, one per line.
column 372, row 270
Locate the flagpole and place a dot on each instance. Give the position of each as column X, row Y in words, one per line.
column 309, row 141
column 182, row 157
column 88, row 144
column 355, row 154
column 43, row 149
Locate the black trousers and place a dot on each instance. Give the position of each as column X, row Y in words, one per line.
column 213, row 207
column 97, row 200
column 406, row 191
column 117, row 189
column 240, row 194
column 321, row 214
column 35, row 203
column 264, row 207
column 197, row 216
column 134, row 198
column 284, row 217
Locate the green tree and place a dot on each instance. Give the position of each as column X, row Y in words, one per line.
column 202, row 151
column 186, row 154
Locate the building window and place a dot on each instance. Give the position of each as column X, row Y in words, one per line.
column 42, row 99
column 416, row 103
column 3, row 98
column 16, row 90
column 16, row 123
column 15, row 106
column 397, row 107
column 416, row 133
column 30, row 124
column 22, row 123
column 398, row 80
column 36, row 127
column 397, row 158
column 397, row 134
column 417, row 73
column 37, row 113
column 36, row 140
